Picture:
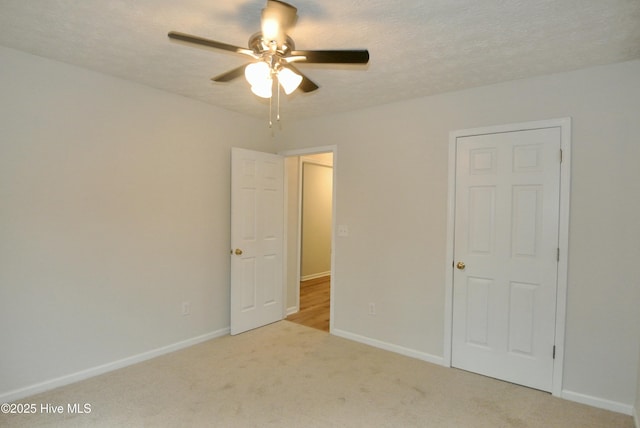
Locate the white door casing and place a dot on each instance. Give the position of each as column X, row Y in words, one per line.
column 257, row 227
column 335, row 284
column 507, row 303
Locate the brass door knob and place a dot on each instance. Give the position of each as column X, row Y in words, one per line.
column 460, row 265
column 238, row 252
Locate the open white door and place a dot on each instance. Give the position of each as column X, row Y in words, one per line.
column 507, row 198
column 257, row 225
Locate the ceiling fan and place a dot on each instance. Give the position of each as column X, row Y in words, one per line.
column 273, row 53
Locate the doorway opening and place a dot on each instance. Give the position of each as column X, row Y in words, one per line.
column 310, row 219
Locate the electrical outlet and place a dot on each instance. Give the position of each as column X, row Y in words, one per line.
column 372, row 308
column 343, row 230
column 186, row 308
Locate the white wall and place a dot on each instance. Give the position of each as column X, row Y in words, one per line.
column 392, row 193
column 114, row 209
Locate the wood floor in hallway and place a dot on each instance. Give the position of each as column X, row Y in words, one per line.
column 315, row 302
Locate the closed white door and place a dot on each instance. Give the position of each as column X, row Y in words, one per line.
column 257, row 225
column 505, row 255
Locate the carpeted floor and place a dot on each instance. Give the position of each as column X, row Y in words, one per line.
column 287, row 375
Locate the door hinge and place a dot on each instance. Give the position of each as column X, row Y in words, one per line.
column 560, row 155
column 554, row 352
column 558, row 255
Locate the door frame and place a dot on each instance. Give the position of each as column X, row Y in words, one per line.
column 301, row 153
column 563, row 233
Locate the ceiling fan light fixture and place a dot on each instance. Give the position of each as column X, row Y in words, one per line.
column 270, row 29
column 272, row 51
column 289, row 80
column 264, row 90
column 257, row 73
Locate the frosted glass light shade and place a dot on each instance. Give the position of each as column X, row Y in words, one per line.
column 264, row 89
column 257, row 73
column 289, row 80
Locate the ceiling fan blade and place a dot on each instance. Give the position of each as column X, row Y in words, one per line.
column 277, row 18
column 307, row 85
column 350, row 56
column 230, row 75
column 210, row 43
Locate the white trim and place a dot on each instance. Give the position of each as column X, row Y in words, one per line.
column 108, row 367
column 310, row 151
column 600, row 403
column 299, row 232
column 448, row 293
column 315, row 275
column 563, row 244
column 636, row 417
column 390, row 347
column 511, row 127
column 563, row 234
column 310, row 159
column 285, row 244
column 333, row 239
column 292, row 310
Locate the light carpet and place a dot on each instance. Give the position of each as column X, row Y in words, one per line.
column 287, row 375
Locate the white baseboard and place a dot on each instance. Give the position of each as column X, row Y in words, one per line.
column 390, row 347
column 315, row 275
column 567, row 395
column 636, row 417
column 104, row 368
column 600, row 403
column 292, row 310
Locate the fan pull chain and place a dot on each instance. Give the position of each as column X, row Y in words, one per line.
column 278, row 111
column 277, row 83
column 270, row 121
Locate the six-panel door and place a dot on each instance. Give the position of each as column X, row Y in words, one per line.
column 257, row 217
column 506, row 238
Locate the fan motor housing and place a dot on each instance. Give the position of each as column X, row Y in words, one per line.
column 259, row 45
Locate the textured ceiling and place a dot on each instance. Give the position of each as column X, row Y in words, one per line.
column 417, row 47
